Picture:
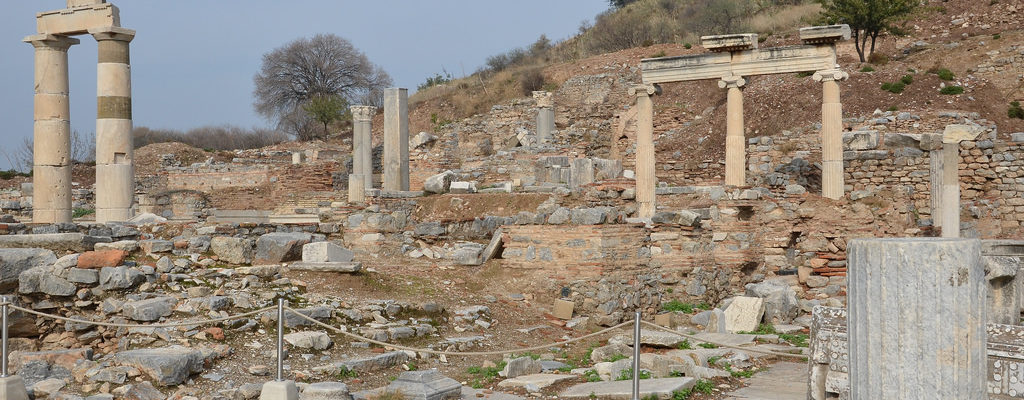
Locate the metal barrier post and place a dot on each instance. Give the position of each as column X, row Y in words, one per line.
column 636, row 357
column 280, row 339
column 3, row 338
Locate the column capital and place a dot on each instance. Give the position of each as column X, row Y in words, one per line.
column 363, row 113
column 831, row 75
column 733, row 81
column 56, row 42
column 646, row 90
column 112, row 33
column 544, row 99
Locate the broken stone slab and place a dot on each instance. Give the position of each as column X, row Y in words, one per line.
column 316, row 340
column 744, row 314
column 651, row 338
column 439, row 183
column 730, row 339
column 732, row 42
column 232, row 250
column 117, row 278
column 469, row 393
column 278, row 247
column 780, row 302
column 493, row 248
column 467, row 253
column 167, row 366
column 425, row 385
column 321, row 252
column 344, row 267
column 461, row 187
column 611, row 350
column 15, row 261
column 63, row 358
column 956, row 133
column 325, row 391
column 149, row 309
column 860, row 140
column 57, row 242
column 680, row 217
column 521, row 366
column 367, row 364
column 660, row 388
column 716, row 322
column 825, row 34
column 539, row 381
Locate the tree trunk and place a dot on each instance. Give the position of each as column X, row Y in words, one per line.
column 874, row 36
column 857, row 45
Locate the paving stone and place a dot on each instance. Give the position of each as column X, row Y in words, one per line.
column 309, row 340
column 321, row 252
column 660, row 388
column 540, row 381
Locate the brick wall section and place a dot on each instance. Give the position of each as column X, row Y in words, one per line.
column 568, row 252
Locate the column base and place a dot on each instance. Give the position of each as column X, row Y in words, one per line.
column 13, row 388
column 51, row 216
column 277, row 390
column 356, row 188
column 113, row 215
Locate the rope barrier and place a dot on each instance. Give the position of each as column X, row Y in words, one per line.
column 456, row 353
column 117, row 325
column 747, row 349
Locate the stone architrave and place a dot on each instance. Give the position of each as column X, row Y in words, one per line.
column 917, row 315
column 832, row 179
column 396, row 139
column 744, row 314
column 362, row 144
column 51, row 152
column 645, row 179
column 735, row 139
column 545, row 116
column 115, row 169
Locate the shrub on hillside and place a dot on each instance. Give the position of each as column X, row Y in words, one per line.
column 531, row 80
column 1015, row 110
column 878, row 59
column 951, row 90
column 894, row 87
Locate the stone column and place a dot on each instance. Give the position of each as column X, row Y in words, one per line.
column 935, row 185
column 115, row 170
column 51, row 152
column 950, row 190
column 645, row 180
column 545, row 116
column 396, row 139
column 831, row 133
column 735, row 140
column 917, row 319
column 362, row 144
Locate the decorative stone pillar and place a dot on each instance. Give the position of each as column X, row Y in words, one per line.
column 917, row 318
column 356, row 188
column 396, row 139
column 115, row 170
column 362, row 144
column 545, row 116
column 935, row 185
column 950, row 213
column 645, row 180
column 832, row 179
column 51, row 152
column 735, row 140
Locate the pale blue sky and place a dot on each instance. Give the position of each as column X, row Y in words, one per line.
column 193, row 61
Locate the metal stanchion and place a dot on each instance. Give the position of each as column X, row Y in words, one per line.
column 3, row 338
column 280, row 339
column 636, row 357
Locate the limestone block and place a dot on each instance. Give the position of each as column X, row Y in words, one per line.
column 13, row 388
column 917, row 319
column 326, row 252
column 860, row 140
column 426, row 385
column 439, row 183
column 744, row 314
column 825, row 34
column 460, row 187
column 79, row 20
column 563, row 309
column 622, row 390
column 956, row 133
column 279, row 390
column 716, row 322
column 733, row 42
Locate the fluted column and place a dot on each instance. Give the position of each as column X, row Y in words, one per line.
column 917, row 317
column 115, row 169
column 735, row 140
column 832, row 179
column 950, row 213
column 545, row 116
column 396, row 139
column 51, row 152
column 362, row 144
column 645, row 180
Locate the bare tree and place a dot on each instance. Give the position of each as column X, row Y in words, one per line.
column 324, row 65
column 83, row 147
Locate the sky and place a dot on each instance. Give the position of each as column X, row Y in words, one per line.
column 193, row 61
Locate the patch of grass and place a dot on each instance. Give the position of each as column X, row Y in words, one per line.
column 1015, row 110
column 658, row 54
column 907, row 79
column 804, row 74
column 688, row 46
column 591, row 376
column 676, row 305
column 878, row 59
column 713, row 360
column 893, row 109
column 701, row 386
column 952, row 90
column 763, row 329
column 527, row 354
column 439, row 122
column 344, row 373
column 11, row 174
column 945, row 74
column 627, row 374
column 867, row 68
column 685, row 345
column 708, row 345
column 81, row 212
column 894, row 87
column 485, row 374
column 615, row 358
column 997, row 36
column 795, row 339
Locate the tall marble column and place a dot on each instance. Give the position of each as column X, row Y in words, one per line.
column 545, row 116
column 645, row 180
column 917, row 314
column 832, row 179
column 950, row 213
column 396, row 139
column 115, row 169
column 735, row 140
column 51, row 152
column 362, row 143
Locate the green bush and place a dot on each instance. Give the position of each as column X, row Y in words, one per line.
column 951, row 90
column 10, row 174
column 996, row 37
column 907, row 79
column 896, row 87
column 81, row 212
column 1015, row 110
column 867, row 68
column 945, row 74
column 676, row 305
column 627, row 374
column 688, row 46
